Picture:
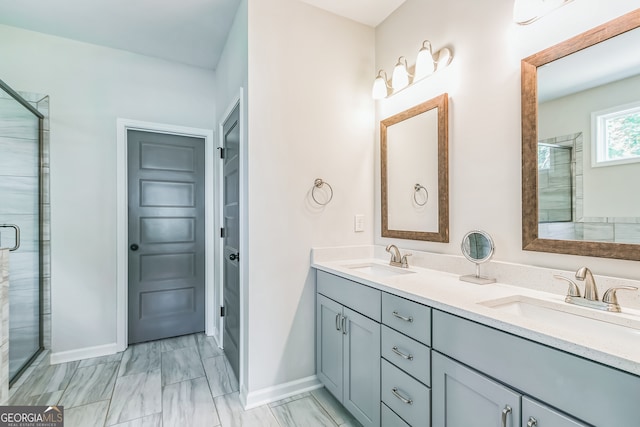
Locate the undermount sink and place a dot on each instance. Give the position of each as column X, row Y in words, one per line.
column 615, row 326
column 378, row 270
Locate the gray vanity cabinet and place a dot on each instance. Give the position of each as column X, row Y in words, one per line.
column 348, row 345
column 557, row 389
column 463, row 397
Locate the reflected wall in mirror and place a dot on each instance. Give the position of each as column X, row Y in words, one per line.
column 581, row 144
column 414, row 172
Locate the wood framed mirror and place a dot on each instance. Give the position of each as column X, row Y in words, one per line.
column 573, row 201
column 414, row 172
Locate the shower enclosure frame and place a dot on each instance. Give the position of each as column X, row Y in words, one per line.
column 12, row 93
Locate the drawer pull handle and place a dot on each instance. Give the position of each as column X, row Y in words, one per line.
column 401, row 397
column 506, row 411
column 401, row 317
column 532, row 422
column 401, row 354
column 338, row 322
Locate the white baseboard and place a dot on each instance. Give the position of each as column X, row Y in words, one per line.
column 83, row 353
column 278, row 392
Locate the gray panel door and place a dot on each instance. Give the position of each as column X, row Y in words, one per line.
column 329, row 344
column 166, row 235
column 462, row 397
column 362, row 368
column 231, row 224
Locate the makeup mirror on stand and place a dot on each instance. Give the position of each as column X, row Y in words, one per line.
column 477, row 246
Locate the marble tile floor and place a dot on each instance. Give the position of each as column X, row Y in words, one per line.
column 182, row 381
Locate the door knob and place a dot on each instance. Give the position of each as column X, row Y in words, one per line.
column 134, row 247
column 234, row 257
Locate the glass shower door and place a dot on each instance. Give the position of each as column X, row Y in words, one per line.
column 20, row 211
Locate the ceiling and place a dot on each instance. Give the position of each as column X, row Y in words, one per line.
column 191, row 32
column 368, row 12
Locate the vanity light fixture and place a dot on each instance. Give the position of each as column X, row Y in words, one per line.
column 426, row 64
column 527, row 11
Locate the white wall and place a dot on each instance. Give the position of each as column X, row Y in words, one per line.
column 483, row 82
column 606, row 189
column 90, row 87
column 310, row 116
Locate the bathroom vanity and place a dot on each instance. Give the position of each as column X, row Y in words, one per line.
column 418, row 347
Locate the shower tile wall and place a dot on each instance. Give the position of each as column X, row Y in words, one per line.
column 555, row 187
column 19, row 205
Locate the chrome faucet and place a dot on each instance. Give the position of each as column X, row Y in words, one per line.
column 590, row 289
column 397, row 260
column 609, row 299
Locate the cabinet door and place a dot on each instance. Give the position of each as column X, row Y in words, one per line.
column 535, row 414
column 463, row 397
column 329, row 344
column 362, row 368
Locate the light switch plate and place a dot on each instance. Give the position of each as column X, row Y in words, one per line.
column 358, row 223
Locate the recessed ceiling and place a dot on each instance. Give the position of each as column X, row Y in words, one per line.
column 192, row 32
column 368, row 12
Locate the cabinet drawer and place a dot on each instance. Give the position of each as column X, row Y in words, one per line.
column 406, row 388
column 540, row 415
column 408, row 317
column 360, row 298
column 415, row 358
column 391, row 419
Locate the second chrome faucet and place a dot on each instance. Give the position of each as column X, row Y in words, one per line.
column 609, row 299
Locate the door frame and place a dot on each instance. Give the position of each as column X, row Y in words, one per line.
column 122, row 227
column 236, row 101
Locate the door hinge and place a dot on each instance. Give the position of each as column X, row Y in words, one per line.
column 222, row 311
column 222, row 233
column 221, row 149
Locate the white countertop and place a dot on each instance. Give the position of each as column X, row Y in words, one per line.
column 444, row 291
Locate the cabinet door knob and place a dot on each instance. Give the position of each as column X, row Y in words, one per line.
column 532, row 422
column 134, row 247
column 506, row 411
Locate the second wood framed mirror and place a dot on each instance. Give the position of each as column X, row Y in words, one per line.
column 580, row 144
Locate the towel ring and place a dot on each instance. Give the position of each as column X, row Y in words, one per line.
column 416, row 190
column 319, row 183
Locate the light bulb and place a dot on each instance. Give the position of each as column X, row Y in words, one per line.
column 379, row 90
column 400, row 77
column 444, row 58
column 425, row 65
column 380, row 86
